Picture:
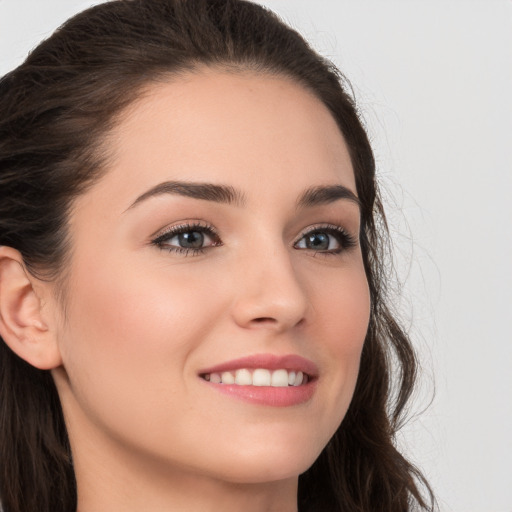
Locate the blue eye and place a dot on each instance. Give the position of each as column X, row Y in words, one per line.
column 194, row 239
column 187, row 239
column 328, row 239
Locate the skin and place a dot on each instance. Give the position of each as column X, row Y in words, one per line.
column 141, row 321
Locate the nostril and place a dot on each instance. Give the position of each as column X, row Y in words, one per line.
column 264, row 319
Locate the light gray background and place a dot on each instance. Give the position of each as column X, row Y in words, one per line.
column 434, row 81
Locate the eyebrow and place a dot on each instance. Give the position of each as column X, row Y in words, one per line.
column 325, row 194
column 315, row 196
column 205, row 191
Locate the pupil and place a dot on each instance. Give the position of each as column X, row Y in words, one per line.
column 318, row 241
column 191, row 239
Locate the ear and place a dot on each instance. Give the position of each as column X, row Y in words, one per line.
column 23, row 325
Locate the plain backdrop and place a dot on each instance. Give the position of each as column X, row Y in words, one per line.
column 433, row 80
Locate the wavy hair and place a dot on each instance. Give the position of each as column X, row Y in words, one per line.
column 56, row 109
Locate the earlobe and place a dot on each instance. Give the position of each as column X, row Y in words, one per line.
column 22, row 324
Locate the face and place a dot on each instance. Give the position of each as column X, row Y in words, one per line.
column 221, row 245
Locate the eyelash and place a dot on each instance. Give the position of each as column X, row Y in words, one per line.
column 344, row 239
column 160, row 240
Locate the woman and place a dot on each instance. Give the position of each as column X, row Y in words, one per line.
column 192, row 296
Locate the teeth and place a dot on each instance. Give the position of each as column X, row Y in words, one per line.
column 279, row 379
column 259, row 377
column 243, row 377
column 227, row 378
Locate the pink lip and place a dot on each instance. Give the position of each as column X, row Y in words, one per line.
column 267, row 395
column 268, row 361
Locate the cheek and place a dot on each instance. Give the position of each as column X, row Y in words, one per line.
column 129, row 334
column 128, row 309
column 342, row 311
column 343, row 304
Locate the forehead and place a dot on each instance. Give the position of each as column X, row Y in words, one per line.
column 249, row 130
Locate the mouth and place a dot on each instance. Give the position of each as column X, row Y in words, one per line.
column 265, row 379
column 280, row 378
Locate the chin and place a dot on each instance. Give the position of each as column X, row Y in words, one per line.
column 271, row 464
column 269, row 471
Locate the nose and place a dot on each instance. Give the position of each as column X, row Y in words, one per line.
column 270, row 294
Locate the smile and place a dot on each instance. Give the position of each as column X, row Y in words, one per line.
column 259, row 377
column 264, row 379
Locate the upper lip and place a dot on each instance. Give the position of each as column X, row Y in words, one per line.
column 267, row 361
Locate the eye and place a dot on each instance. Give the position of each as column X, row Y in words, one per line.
column 326, row 239
column 187, row 239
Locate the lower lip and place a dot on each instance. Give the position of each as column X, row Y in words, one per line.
column 268, row 395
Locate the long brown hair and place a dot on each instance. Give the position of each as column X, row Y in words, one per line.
column 55, row 111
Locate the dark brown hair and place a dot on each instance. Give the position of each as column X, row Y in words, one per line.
column 56, row 110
